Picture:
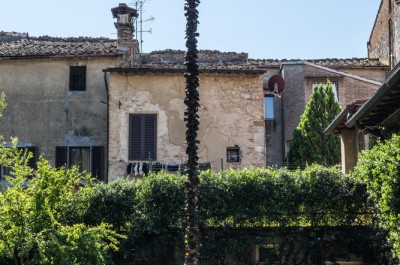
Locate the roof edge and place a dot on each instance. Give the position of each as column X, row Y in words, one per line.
column 181, row 70
column 392, row 78
column 352, row 76
column 343, row 114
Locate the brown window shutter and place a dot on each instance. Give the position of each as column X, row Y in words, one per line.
column 142, row 136
column 150, row 130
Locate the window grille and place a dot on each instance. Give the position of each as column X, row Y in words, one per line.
column 233, row 154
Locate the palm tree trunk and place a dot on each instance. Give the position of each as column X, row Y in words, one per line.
column 192, row 126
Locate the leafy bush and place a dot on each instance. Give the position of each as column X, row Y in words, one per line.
column 379, row 169
column 32, row 227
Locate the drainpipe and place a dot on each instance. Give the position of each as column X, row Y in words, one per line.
column 108, row 125
column 282, row 128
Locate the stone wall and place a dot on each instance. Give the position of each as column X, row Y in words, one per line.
column 43, row 112
column 231, row 113
column 378, row 45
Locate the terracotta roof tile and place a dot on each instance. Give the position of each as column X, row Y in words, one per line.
column 17, row 45
column 49, row 46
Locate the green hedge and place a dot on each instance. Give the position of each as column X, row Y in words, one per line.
column 149, row 211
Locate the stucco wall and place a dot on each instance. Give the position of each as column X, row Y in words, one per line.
column 43, row 112
column 231, row 114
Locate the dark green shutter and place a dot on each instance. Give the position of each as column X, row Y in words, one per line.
column 98, row 162
column 33, row 160
column 61, row 156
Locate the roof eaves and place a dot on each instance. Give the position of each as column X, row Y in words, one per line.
column 338, row 119
column 57, row 56
column 182, row 70
column 352, row 76
column 392, row 78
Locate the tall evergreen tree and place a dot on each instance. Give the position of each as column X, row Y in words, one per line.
column 310, row 144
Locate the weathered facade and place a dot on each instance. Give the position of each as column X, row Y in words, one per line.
column 78, row 101
column 231, row 114
column 49, row 110
column 378, row 113
column 384, row 42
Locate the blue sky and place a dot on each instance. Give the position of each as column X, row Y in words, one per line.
column 277, row 29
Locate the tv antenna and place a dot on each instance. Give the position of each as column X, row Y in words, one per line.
column 139, row 23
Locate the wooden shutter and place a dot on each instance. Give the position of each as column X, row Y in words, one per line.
column 61, row 156
column 135, row 141
column 149, row 137
column 142, row 137
column 98, row 162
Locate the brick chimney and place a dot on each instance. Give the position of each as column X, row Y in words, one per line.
column 125, row 30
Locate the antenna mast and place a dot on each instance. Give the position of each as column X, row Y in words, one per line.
column 139, row 33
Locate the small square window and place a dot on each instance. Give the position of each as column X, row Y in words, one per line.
column 77, row 78
column 233, row 154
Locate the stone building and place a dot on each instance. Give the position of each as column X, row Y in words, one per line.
column 351, row 79
column 97, row 104
column 55, row 92
column 147, row 112
column 384, row 42
column 378, row 113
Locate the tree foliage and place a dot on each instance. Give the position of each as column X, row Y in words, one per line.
column 379, row 169
column 33, row 229
column 310, row 144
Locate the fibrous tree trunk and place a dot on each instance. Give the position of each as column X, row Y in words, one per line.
column 192, row 127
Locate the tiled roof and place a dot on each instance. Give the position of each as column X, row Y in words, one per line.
column 17, row 45
column 50, row 46
column 333, row 62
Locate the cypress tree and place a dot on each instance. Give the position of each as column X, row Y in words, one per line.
column 310, row 144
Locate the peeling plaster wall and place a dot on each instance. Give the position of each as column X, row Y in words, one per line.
column 42, row 111
column 231, row 114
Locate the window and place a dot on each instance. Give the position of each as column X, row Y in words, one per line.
column 233, row 154
column 86, row 158
column 31, row 163
column 269, row 107
column 266, row 254
column 142, row 137
column 335, row 88
column 77, row 78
